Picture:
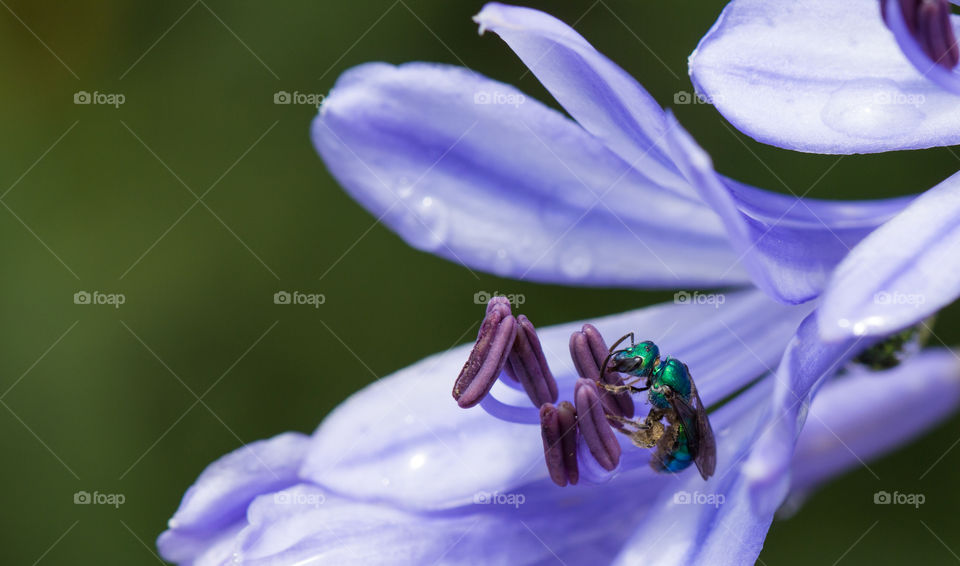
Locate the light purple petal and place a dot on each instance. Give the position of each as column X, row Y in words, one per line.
column 601, row 96
column 534, row 525
column 404, row 440
column 862, row 416
column 903, row 272
column 806, row 364
column 207, row 549
column 537, row 531
column 474, row 171
column 787, row 244
column 822, row 76
column 217, row 501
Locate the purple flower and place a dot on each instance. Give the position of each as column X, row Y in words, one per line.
column 834, row 77
column 474, row 171
column 399, row 474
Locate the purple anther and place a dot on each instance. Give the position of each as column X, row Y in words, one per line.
column 589, row 351
column 494, row 343
column 528, row 365
column 558, row 428
column 593, row 424
column 928, row 21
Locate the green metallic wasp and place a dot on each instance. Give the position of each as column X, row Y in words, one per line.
column 687, row 437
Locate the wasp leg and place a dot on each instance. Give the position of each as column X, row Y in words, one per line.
column 626, row 387
column 665, row 445
column 644, row 434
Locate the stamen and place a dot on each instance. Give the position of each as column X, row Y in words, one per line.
column 588, row 350
column 528, row 365
column 928, row 23
column 594, row 426
column 494, row 343
column 558, row 428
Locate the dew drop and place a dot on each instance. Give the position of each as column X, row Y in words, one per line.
column 426, row 223
column 868, row 325
column 417, row 461
column 873, row 109
column 502, row 263
column 802, row 413
column 403, row 187
column 576, row 262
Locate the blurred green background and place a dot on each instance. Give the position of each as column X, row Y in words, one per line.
column 98, row 198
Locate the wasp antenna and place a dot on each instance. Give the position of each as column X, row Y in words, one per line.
column 620, row 341
column 605, row 368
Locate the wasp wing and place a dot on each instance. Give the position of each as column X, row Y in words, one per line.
column 700, row 438
column 707, row 458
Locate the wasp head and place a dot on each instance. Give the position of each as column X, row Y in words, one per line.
column 639, row 360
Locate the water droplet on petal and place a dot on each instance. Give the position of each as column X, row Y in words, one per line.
column 575, row 262
column 426, row 223
column 403, row 187
column 502, row 263
column 802, row 412
column 417, row 461
column 868, row 325
column 873, row 109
